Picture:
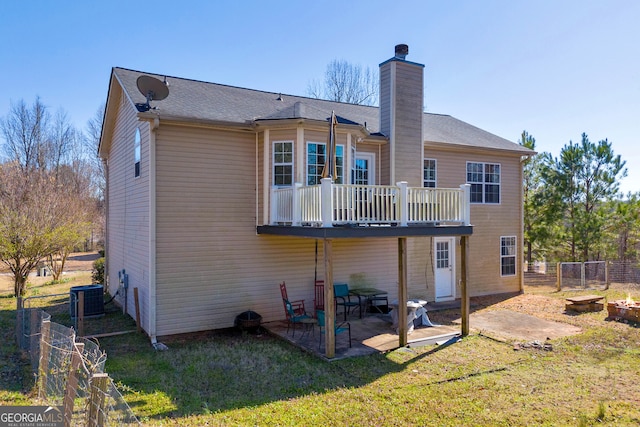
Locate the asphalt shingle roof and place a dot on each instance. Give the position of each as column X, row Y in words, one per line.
column 197, row 100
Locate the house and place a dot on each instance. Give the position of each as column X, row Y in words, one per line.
column 216, row 194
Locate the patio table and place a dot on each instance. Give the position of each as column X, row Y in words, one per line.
column 370, row 295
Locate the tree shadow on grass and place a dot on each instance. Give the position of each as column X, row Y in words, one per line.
column 228, row 370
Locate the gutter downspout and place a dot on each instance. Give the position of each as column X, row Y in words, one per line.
column 153, row 126
column 105, row 164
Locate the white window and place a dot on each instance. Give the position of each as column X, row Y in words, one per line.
column 316, row 157
column 430, row 172
column 283, row 163
column 485, row 182
column 136, row 154
column 508, row 255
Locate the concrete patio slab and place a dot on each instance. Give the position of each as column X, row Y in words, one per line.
column 511, row 325
column 369, row 335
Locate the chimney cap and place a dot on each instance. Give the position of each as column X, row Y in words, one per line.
column 402, row 50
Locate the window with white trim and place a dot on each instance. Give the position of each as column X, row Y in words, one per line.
column 136, row 154
column 508, row 255
column 316, row 157
column 485, row 182
column 283, row 163
column 429, row 177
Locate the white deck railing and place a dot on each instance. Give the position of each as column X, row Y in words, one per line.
column 331, row 204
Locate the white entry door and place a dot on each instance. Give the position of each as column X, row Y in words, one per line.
column 445, row 271
column 363, row 171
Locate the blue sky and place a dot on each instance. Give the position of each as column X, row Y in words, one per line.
column 554, row 68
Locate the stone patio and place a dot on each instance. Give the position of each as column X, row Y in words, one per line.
column 369, row 335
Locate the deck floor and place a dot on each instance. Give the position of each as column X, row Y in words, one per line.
column 369, row 335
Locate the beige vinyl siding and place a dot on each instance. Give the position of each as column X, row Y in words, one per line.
column 385, row 98
column 128, row 227
column 205, row 216
column 490, row 221
column 211, row 264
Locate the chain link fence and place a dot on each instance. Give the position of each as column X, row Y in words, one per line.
column 580, row 276
column 592, row 275
column 625, row 272
column 70, row 372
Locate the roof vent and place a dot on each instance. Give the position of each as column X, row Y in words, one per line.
column 402, row 50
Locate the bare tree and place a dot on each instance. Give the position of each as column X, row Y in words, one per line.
column 48, row 192
column 74, row 218
column 31, row 208
column 25, row 133
column 93, row 132
column 79, row 172
column 99, row 173
column 61, row 142
column 346, row 82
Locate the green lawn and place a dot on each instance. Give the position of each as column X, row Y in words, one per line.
column 242, row 379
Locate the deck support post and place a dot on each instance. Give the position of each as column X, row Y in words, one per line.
column 329, row 304
column 402, row 291
column 464, row 303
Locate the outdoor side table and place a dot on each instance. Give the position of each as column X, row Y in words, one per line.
column 585, row 303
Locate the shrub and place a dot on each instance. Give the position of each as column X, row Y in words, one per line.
column 98, row 271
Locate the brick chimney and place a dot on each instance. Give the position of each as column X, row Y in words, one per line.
column 401, row 111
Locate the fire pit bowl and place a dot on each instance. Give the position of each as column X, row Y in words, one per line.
column 624, row 310
column 248, row 320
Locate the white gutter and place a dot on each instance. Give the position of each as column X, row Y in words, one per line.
column 153, row 126
column 105, row 164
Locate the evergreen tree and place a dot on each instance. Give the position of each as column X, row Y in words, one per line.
column 582, row 179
